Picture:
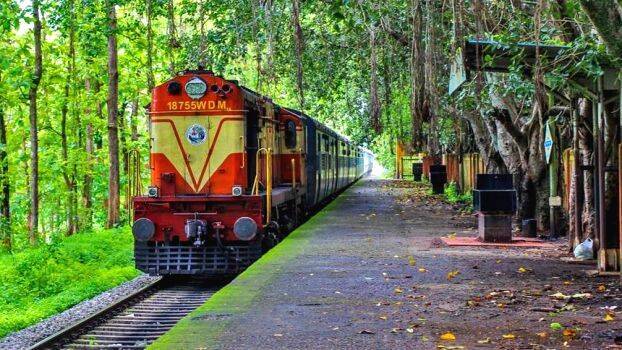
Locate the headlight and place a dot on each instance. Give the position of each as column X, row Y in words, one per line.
column 236, row 190
column 143, row 229
column 153, row 192
column 245, row 228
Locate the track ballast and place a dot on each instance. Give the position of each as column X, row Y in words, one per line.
column 136, row 321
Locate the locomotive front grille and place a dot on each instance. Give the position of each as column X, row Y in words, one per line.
column 190, row 260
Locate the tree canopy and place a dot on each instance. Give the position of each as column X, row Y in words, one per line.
column 375, row 71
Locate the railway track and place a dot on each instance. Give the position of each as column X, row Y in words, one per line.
column 135, row 321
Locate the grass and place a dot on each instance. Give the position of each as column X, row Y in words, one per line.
column 45, row 280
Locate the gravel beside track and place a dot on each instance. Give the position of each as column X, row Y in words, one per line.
column 31, row 335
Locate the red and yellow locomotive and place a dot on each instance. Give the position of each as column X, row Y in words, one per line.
column 231, row 174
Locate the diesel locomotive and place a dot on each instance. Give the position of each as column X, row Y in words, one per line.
column 231, row 174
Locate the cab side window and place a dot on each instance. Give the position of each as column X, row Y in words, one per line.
column 290, row 134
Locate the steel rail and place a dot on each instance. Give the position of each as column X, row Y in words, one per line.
column 69, row 332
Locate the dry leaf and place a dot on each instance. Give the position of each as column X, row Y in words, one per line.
column 569, row 332
column 398, row 290
column 449, row 336
column 383, row 318
column 421, row 269
column 608, row 318
column 523, row 270
column 452, row 274
column 509, row 336
column 601, row 288
column 542, row 334
column 412, row 261
column 484, row 341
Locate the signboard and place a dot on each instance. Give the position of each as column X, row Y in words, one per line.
column 548, row 143
column 458, row 74
column 555, row 201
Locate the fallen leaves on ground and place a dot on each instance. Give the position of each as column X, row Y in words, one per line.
column 448, row 336
column 422, row 269
column 556, row 326
column 569, row 332
column 452, row 274
column 562, row 296
column 398, row 290
column 412, row 261
column 484, row 341
column 608, row 317
column 524, row 270
column 508, row 336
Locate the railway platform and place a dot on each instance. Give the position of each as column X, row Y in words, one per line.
column 369, row 272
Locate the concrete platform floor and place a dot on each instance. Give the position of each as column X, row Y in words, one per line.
column 368, row 273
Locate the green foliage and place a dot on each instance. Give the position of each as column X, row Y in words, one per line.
column 42, row 281
column 453, row 195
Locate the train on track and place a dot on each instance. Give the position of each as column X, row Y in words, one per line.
column 231, row 174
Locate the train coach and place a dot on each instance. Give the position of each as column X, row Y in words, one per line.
column 231, row 174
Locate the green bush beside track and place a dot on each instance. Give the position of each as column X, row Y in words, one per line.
column 39, row 282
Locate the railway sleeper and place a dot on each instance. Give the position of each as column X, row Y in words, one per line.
column 108, row 342
column 127, row 331
column 120, row 337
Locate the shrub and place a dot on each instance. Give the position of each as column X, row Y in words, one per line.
column 42, row 281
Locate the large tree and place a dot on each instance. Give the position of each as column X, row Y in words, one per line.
column 34, row 134
column 112, row 106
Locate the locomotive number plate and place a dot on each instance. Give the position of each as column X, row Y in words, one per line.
column 196, row 105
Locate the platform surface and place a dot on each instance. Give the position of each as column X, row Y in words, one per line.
column 366, row 273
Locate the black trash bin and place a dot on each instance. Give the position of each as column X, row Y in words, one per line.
column 417, row 171
column 494, row 193
column 438, row 178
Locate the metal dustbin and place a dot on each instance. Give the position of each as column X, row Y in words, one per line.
column 529, row 228
column 494, row 201
column 417, row 171
column 438, row 178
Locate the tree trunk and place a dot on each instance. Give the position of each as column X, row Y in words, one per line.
column 150, row 76
column 417, row 77
column 68, row 175
column 172, row 41
column 113, row 136
column 34, row 138
column 483, row 140
column 586, row 158
column 134, row 121
column 373, row 89
column 298, row 38
column 5, row 190
column 89, row 147
column 606, row 15
column 431, row 93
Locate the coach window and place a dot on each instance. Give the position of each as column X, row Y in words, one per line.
column 290, row 134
